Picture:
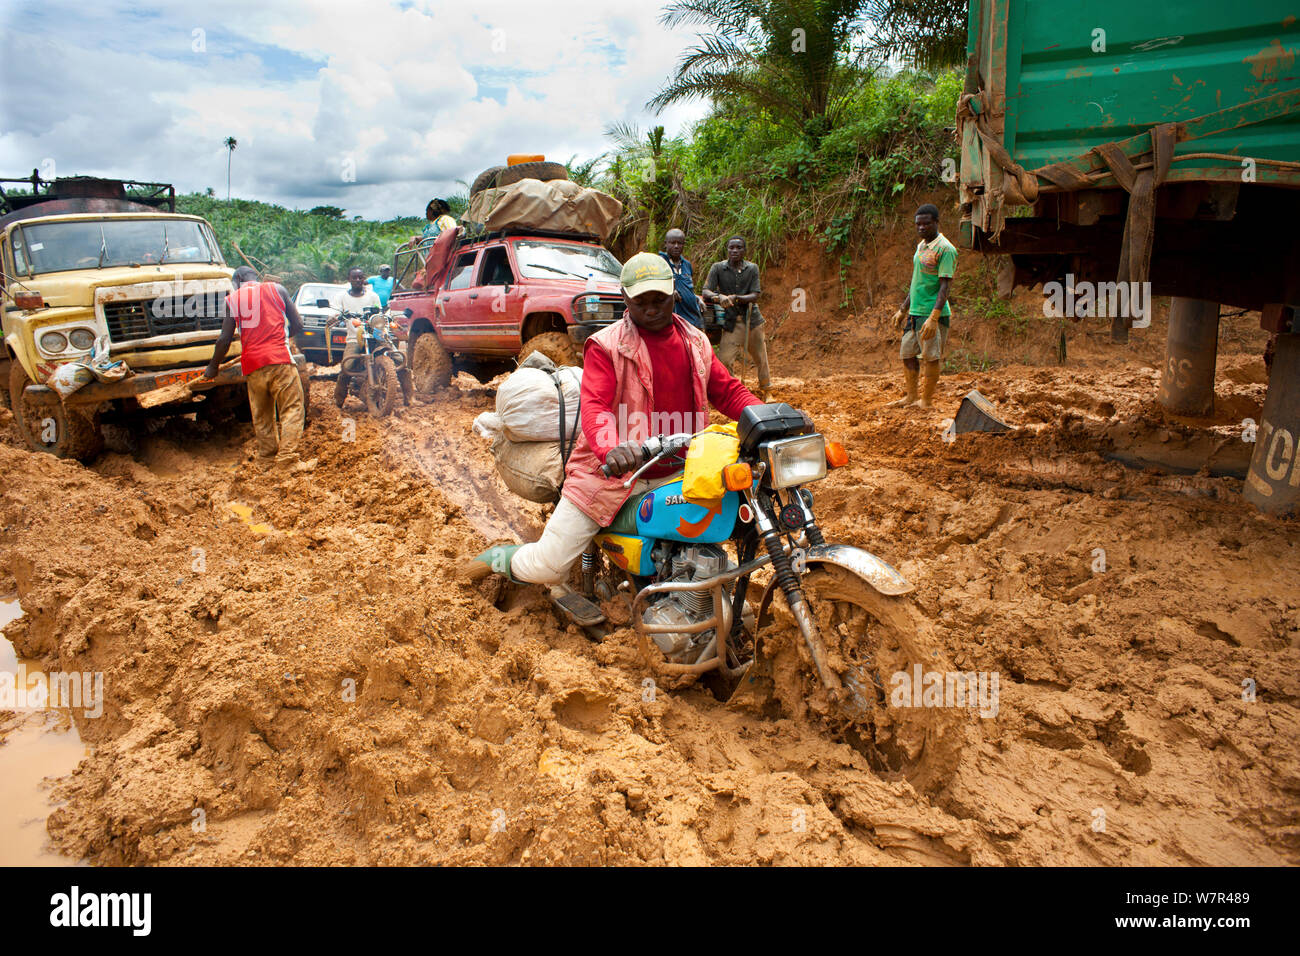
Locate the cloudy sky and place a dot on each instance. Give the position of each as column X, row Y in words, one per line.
column 374, row 106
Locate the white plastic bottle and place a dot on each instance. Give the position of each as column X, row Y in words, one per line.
column 593, row 303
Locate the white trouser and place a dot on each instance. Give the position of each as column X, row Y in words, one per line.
column 549, row 559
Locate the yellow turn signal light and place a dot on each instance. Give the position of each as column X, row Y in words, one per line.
column 738, row 477
column 837, row 456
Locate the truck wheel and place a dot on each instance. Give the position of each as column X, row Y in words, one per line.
column 71, row 433
column 485, row 179
column 381, row 398
column 556, row 346
column 429, row 363
column 544, row 171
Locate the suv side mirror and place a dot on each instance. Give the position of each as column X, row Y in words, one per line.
column 408, row 313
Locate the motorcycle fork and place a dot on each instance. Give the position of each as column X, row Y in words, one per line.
column 794, row 596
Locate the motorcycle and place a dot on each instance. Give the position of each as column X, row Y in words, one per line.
column 377, row 371
column 834, row 648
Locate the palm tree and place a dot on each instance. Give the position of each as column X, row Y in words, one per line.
column 230, row 145
column 797, row 59
column 926, row 34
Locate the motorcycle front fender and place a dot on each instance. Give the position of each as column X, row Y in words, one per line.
column 881, row 575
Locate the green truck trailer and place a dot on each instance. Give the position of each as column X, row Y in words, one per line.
column 1146, row 150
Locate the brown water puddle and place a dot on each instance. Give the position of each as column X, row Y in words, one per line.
column 38, row 747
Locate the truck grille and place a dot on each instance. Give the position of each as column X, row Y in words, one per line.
column 146, row 318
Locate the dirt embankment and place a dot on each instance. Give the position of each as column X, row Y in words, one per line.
column 326, row 691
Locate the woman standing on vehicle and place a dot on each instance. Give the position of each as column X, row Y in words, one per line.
column 439, row 215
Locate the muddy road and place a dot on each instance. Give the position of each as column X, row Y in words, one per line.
column 295, row 658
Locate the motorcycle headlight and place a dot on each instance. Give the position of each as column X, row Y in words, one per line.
column 794, row 461
column 377, row 322
column 53, row 342
column 82, row 339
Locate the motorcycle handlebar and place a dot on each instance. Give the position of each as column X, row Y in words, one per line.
column 659, row 446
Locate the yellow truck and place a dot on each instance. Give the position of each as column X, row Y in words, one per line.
column 107, row 269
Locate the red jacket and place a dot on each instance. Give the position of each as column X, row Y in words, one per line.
column 630, row 417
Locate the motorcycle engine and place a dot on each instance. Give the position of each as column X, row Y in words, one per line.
column 694, row 563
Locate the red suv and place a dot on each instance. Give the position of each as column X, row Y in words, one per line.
column 502, row 294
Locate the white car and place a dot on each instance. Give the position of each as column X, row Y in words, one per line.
column 313, row 319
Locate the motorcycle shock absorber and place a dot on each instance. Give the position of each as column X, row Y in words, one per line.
column 589, row 572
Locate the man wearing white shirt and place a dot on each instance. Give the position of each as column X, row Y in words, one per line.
column 356, row 298
column 359, row 296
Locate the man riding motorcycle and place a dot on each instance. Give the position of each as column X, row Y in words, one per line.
column 651, row 372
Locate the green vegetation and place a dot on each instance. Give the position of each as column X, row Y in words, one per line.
column 299, row 246
column 743, row 169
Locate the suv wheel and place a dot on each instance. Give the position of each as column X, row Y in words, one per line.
column 556, row 346
column 429, row 363
column 47, row 424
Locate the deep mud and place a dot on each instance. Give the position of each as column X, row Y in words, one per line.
column 306, row 669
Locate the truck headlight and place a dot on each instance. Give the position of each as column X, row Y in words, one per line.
column 53, row 342
column 794, row 461
column 83, row 339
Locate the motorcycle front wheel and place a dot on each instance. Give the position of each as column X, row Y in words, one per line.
column 869, row 639
column 381, row 395
column 341, row 388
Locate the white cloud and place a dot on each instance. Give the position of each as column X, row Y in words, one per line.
column 415, row 96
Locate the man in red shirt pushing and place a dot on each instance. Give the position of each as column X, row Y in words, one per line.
column 274, row 389
column 650, row 373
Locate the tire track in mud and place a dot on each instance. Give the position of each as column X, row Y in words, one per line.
column 438, row 439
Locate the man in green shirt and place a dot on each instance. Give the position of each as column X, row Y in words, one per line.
column 924, row 315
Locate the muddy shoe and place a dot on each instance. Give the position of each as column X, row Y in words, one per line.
column 495, row 560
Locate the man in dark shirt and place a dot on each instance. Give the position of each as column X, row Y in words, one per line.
column 733, row 284
column 688, row 306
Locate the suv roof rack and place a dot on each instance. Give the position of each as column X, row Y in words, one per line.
column 470, row 234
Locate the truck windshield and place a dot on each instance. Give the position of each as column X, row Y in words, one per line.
column 547, row 260
column 90, row 244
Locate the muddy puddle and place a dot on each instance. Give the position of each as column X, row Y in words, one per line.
column 36, row 748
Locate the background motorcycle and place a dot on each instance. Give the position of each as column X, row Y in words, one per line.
column 377, row 371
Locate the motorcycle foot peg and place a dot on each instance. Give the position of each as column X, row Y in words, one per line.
column 577, row 608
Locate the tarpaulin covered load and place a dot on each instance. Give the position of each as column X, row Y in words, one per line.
column 557, row 205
